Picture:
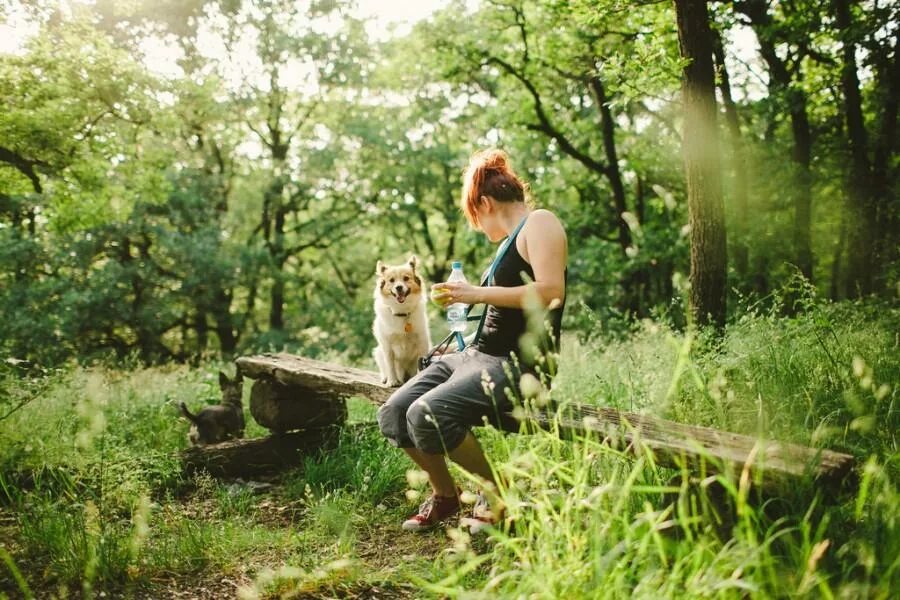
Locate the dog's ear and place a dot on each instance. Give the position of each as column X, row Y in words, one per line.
column 380, row 268
column 223, row 379
column 413, row 263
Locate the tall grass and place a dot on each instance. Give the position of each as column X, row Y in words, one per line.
column 590, row 523
column 90, row 476
column 89, row 468
column 825, row 377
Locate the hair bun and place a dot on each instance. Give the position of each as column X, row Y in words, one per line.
column 489, row 173
column 491, row 159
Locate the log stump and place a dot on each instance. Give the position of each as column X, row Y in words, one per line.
column 281, row 408
column 258, row 456
column 303, row 419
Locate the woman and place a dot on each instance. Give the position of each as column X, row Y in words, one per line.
column 431, row 415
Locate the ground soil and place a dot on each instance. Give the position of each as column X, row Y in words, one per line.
column 379, row 547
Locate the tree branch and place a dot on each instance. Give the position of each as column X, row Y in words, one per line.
column 544, row 125
column 302, row 121
column 24, row 165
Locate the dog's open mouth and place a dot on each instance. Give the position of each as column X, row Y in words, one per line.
column 400, row 296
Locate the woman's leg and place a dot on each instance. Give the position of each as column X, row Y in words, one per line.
column 440, row 421
column 392, row 414
column 469, row 455
column 435, row 465
column 393, row 423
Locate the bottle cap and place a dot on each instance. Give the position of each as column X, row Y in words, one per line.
column 456, row 265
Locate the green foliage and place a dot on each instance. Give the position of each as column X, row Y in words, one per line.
column 362, row 463
column 239, row 202
column 79, row 106
column 90, row 476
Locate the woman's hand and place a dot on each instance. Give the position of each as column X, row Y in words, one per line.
column 451, row 292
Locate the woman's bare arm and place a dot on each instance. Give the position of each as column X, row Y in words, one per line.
column 545, row 248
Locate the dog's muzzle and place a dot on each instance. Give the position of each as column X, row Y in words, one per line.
column 400, row 293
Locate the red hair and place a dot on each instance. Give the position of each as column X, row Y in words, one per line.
column 489, row 174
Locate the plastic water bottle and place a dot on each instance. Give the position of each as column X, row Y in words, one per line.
column 456, row 313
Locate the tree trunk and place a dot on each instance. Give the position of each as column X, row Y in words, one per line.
column 276, row 309
column 802, row 157
column 635, row 282
column 700, row 147
column 201, row 327
column 259, row 456
column 612, row 172
column 274, row 215
column 884, row 199
column 221, row 311
column 780, row 83
column 864, row 187
column 761, row 275
column 739, row 249
column 281, row 408
column 836, row 292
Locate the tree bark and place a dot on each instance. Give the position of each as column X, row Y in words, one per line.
column 274, row 215
column 24, row 165
column 259, row 456
column 860, row 202
column 781, row 83
column 221, row 312
column 612, row 172
column 887, row 248
column 217, row 168
column 700, row 147
column 837, row 289
column 635, row 282
column 802, row 157
column 201, row 326
column 738, row 229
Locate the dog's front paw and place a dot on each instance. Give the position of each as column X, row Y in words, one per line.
column 393, row 382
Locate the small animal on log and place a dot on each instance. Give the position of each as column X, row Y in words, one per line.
column 224, row 421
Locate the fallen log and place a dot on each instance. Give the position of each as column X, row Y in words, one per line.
column 701, row 450
column 258, row 456
column 281, row 408
column 327, row 378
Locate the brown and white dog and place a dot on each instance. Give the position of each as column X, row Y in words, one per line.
column 400, row 327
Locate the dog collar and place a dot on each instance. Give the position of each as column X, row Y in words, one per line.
column 407, row 327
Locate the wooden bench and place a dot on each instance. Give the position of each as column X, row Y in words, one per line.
column 310, row 394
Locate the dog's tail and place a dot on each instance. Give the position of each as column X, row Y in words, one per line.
column 187, row 413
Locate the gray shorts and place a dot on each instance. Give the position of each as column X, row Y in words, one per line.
column 435, row 409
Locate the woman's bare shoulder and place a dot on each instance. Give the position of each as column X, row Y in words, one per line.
column 545, row 221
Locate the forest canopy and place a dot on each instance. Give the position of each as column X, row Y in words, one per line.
column 181, row 178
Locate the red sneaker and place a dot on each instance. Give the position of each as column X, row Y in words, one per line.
column 433, row 511
column 483, row 518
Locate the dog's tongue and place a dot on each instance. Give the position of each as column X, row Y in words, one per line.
column 401, row 298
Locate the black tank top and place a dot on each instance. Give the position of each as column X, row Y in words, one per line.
column 504, row 327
